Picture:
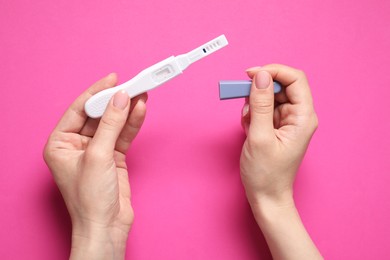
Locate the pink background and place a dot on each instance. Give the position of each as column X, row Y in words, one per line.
column 187, row 194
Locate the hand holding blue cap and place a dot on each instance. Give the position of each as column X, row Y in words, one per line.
column 239, row 88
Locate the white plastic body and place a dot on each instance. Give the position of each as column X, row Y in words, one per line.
column 153, row 76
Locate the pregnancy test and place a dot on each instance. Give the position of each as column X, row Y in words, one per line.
column 153, row 76
column 239, row 88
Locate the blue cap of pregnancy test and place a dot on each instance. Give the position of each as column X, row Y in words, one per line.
column 239, row 88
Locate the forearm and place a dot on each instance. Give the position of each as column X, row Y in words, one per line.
column 284, row 232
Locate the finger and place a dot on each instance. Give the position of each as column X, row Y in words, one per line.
column 134, row 100
column 280, row 97
column 111, row 124
column 277, row 116
column 297, row 89
column 252, row 71
column 261, row 101
column 245, row 117
column 133, row 124
column 300, row 111
column 295, row 81
column 90, row 127
column 75, row 117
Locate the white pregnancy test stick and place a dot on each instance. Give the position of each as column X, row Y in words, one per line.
column 153, row 76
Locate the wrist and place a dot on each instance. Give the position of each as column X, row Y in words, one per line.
column 283, row 229
column 98, row 242
column 267, row 207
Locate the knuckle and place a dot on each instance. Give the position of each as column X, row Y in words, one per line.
column 48, row 150
column 94, row 155
column 262, row 106
column 128, row 138
column 311, row 123
column 254, row 144
column 315, row 122
column 46, row 153
column 110, row 122
column 300, row 73
column 258, row 141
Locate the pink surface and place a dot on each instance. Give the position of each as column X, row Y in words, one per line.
column 187, row 194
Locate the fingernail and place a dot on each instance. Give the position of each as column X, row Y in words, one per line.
column 245, row 109
column 121, row 99
column 253, row 69
column 262, row 80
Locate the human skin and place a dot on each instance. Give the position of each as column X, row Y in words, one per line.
column 279, row 128
column 87, row 159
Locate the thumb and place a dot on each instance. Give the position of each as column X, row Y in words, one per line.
column 112, row 123
column 261, row 102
